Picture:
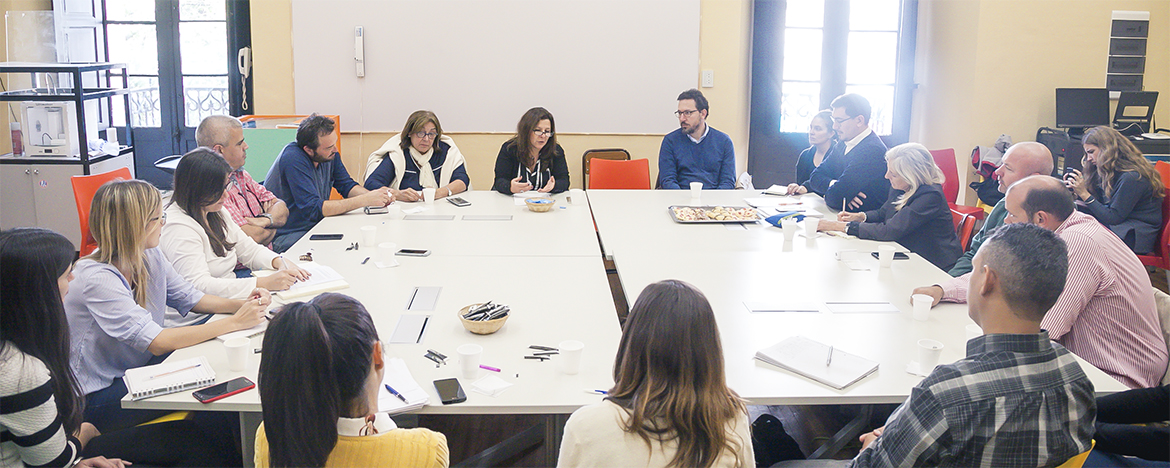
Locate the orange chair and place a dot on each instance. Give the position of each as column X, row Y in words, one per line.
column 84, row 187
column 620, row 175
column 1163, row 169
column 964, row 227
column 945, row 159
column 1160, row 257
column 611, row 153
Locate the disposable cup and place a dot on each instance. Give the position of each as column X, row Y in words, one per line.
column 577, row 197
column 696, row 189
column 922, row 303
column 570, row 355
column 369, row 236
column 810, row 227
column 886, row 255
column 470, row 356
column 790, row 228
column 928, row 354
column 238, row 353
column 385, row 253
column 429, row 196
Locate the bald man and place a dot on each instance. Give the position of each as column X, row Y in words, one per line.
column 1023, row 159
column 254, row 208
column 1106, row 314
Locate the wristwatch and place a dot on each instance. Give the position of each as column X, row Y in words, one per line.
column 266, row 215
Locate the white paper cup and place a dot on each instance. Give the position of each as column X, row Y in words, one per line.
column 469, row 359
column 928, row 354
column 886, row 255
column 238, row 353
column 973, row 331
column 385, row 253
column 577, row 197
column 571, row 355
column 429, row 196
column 922, row 303
column 790, row 228
column 696, row 189
column 810, row 226
column 369, row 236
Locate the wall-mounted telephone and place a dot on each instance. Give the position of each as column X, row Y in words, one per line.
column 244, row 61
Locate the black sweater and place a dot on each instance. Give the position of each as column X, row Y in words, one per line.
column 924, row 225
column 508, row 167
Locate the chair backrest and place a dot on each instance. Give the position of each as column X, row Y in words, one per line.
column 945, row 159
column 964, row 227
column 1160, row 257
column 84, row 188
column 1078, row 460
column 1163, row 169
column 617, row 154
column 620, row 175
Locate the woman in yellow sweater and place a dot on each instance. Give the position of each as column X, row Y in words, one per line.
column 319, row 383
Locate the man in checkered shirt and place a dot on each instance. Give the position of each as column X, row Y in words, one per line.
column 253, row 208
column 1017, row 399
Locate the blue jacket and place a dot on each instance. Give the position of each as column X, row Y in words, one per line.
column 863, row 169
column 304, row 188
column 682, row 161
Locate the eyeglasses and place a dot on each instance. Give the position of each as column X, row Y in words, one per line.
column 542, row 133
column 425, row 135
column 840, row 120
column 686, row 113
column 162, row 219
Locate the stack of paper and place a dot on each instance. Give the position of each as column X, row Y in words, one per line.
column 321, row 279
column 812, row 359
column 398, row 377
column 168, row 377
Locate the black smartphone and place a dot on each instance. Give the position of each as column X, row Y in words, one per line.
column 457, row 201
column 224, row 390
column 414, row 252
column 320, row 237
column 450, row 391
column 897, row 255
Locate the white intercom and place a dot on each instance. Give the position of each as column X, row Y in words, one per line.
column 359, row 51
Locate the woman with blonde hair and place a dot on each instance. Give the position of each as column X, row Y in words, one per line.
column 119, row 295
column 1120, row 188
column 670, row 405
column 434, row 161
column 916, row 214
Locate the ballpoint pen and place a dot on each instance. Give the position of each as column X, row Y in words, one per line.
column 829, row 358
column 395, row 393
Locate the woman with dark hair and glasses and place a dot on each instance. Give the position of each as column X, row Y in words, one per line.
column 205, row 246
column 319, row 383
column 434, row 162
column 532, row 160
column 670, row 405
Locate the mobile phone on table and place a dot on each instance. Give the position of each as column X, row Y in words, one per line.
column 457, row 201
column 413, row 252
column 224, row 390
column 325, row 237
column 373, row 210
column 897, row 255
column 450, row 391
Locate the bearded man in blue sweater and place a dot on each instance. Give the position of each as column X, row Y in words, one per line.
column 695, row 152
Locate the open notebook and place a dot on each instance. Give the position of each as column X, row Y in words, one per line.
column 398, row 377
column 808, row 358
column 168, row 377
column 322, row 279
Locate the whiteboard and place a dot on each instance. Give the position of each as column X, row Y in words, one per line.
column 600, row 66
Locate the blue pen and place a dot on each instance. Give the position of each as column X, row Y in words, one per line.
column 596, row 392
column 395, row 393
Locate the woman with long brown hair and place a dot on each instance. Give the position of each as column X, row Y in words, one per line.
column 532, row 160
column 1120, row 188
column 670, row 405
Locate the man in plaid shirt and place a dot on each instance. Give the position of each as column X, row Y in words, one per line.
column 254, row 208
column 1017, row 399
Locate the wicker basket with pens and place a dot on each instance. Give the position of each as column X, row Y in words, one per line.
column 485, row 318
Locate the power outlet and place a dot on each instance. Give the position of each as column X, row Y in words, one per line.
column 708, row 79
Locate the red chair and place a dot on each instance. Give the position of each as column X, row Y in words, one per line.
column 964, row 227
column 1163, row 169
column 608, row 153
column 1160, row 257
column 619, row 175
column 945, row 159
column 84, row 187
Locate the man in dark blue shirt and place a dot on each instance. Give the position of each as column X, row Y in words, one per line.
column 695, row 152
column 303, row 175
column 855, row 171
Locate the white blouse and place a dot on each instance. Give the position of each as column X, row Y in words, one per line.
column 187, row 246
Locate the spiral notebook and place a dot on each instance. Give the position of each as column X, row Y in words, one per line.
column 811, row 359
column 168, row 377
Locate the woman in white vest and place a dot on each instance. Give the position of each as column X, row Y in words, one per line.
column 434, row 162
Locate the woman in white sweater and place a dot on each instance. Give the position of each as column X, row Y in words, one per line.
column 670, row 405
column 205, row 246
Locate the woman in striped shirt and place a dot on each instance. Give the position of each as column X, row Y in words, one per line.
column 40, row 404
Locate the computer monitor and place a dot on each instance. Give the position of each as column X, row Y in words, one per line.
column 1082, row 107
column 1135, row 111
